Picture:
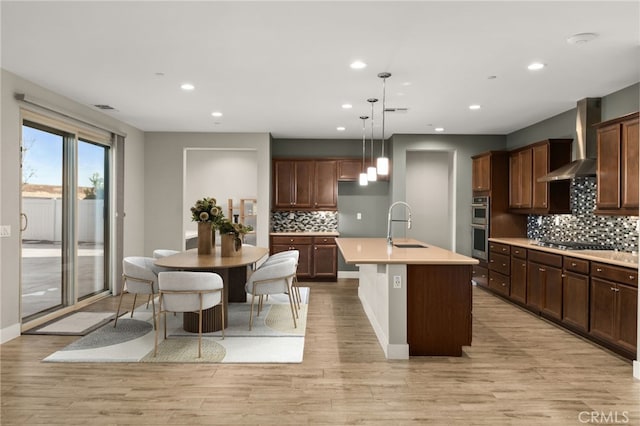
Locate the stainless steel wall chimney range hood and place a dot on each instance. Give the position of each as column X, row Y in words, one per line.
column 585, row 163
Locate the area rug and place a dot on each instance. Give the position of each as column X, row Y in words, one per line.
column 273, row 338
column 74, row 324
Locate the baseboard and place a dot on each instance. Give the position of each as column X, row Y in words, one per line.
column 636, row 369
column 9, row 333
column 348, row 274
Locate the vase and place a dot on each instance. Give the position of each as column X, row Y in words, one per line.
column 205, row 238
column 230, row 245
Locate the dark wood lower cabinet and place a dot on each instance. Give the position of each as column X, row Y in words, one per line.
column 519, row 280
column 575, row 300
column 594, row 299
column 439, row 301
column 318, row 255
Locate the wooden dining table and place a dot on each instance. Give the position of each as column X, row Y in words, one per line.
column 232, row 269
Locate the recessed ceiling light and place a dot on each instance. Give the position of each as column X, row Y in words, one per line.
column 581, row 38
column 347, row 106
column 474, row 106
column 439, row 129
column 536, row 66
column 358, row 65
column 187, row 86
column 406, row 83
column 341, row 128
column 492, row 77
column 216, row 114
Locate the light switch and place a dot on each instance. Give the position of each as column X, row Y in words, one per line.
column 5, row 231
column 359, row 216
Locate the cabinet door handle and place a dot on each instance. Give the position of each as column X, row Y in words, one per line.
column 599, row 269
column 315, row 248
column 504, row 264
column 504, row 284
column 615, row 289
column 541, row 269
column 504, row 249
column 491, row 261
column 574, row 264
column 632, row 277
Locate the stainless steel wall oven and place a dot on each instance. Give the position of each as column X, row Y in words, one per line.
column 480, row 227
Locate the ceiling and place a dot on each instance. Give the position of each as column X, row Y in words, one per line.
column 283, row 67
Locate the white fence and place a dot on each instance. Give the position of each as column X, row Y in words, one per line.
column 44, row 217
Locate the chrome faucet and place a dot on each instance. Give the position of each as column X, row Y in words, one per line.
column 389, row 240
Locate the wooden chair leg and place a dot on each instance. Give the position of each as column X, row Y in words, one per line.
column 293, row 315
column 115, row 323
column 200, row 329
column 135, row 296
column 253, row 296
column 153, row 314
column 222, row 305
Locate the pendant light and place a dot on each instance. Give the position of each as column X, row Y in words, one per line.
column 364, row 181
column 372, row 173
column 382, row 163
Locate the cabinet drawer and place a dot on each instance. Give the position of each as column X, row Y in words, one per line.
column 324, row 240
column 500, row 263
column 615, row 273
column 291, row 240
column 545, row 258
column 499, row 248
column 572, row 264
column 480, row 275
column 498, row 282
column 519, row 252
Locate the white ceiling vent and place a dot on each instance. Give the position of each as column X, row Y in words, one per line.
column 104, row 107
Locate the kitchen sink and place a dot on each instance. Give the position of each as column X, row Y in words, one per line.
column 409, row 245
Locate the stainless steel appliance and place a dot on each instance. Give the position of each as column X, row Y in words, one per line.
column 480, row 211
column 480, row 227
column 574, row 245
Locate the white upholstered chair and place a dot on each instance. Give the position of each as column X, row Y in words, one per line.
column 189, row 292
column 274, row 278
column 139, row 276
column 289, row 254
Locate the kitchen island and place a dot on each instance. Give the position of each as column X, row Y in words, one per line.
column 416, row 296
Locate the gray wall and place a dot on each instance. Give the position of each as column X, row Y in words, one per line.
column 463, row 147
column 165, row 174
column 563, row 125
column 371, row 200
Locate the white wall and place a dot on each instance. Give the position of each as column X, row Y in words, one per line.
column 10, row 186
column 218, row 173
column 430, row 193
column 165, row 176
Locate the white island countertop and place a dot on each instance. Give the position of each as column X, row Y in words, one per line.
column 376, row 250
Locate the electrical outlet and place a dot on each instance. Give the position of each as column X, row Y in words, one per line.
column 5, row 231
column 358, row 216
column 397, row 281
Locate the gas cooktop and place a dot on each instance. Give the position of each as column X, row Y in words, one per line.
column 574, row 245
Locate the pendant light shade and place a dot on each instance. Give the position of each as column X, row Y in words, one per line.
column 382, row 163
column 363, row 178
column 372, row 173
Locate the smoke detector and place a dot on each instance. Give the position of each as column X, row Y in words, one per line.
column 581, row 38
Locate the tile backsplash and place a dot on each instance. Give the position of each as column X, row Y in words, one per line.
column 302, row 221
column 582, row 225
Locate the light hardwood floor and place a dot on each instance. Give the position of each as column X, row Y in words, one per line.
column 520, row 370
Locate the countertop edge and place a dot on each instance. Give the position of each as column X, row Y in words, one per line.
column 592, row 255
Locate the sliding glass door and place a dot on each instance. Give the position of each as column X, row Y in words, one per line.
column 65, row 218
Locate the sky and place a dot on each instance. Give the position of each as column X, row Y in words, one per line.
column 42, row 159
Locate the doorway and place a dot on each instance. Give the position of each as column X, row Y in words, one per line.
column 430, row 191
column 65, row 220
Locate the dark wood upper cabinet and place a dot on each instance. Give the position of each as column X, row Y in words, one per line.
column 305, row 184
column 325, row 189
column 481, row 172
column 527, row 165
column 617, row 174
